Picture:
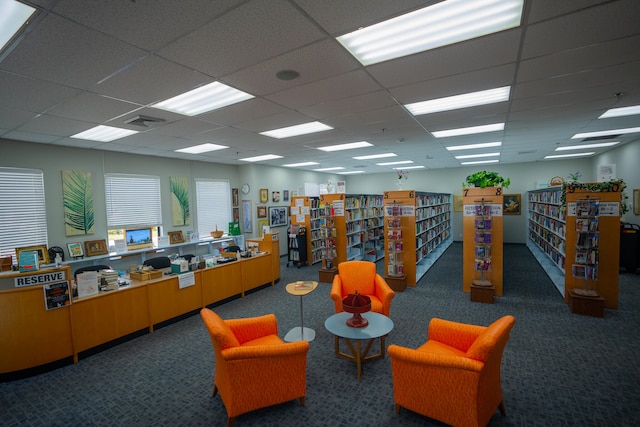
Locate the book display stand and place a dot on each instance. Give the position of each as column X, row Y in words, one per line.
column 482, row 243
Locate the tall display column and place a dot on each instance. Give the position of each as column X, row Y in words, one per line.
column 482, row 204
column 593, row 246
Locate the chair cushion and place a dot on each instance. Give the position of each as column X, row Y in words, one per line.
column 266, row 340
column 437, row 347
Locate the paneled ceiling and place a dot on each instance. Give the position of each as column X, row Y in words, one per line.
column 86, row 63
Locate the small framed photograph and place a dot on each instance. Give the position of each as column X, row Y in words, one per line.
column 285, row 195
column 234, row 197
column 511, row 204
column 264, row 195
column 262, row 211
column 275, row 196
column 95, row 247
column 43, row 253
column 278, row 216
column 175, row 237
column 75, row 250
column 236, row 214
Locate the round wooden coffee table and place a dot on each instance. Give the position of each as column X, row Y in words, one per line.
column 379, row 326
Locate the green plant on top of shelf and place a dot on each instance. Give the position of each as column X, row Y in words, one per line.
column 613, row 185
column 484, row 179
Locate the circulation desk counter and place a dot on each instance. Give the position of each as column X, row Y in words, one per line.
column 32, row 335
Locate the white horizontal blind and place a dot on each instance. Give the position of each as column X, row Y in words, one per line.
column 23, row 212
column 213, row 199
column 132, row 200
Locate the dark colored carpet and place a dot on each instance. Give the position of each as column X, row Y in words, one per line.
column 559, row 369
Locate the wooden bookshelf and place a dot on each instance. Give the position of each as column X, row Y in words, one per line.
column 425, row 225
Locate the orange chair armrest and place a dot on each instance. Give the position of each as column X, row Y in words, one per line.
column 251, row 328
column 266, row 351
column 383, row 290
column 435, row 360
column 458, row 335
column 336, row 292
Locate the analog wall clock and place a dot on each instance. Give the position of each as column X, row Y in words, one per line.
column 245, row 188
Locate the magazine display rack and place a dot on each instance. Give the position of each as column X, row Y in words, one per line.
column 482, row 243
column 483, row 239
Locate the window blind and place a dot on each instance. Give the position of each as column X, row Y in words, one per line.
column 213, row 208
column 132, row 201
column 23, row 212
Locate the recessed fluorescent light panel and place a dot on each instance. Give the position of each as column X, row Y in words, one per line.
column 261, row 158
column 335, row 168
column 349, row 146
column 202, row 148
column 401, row 162
column 303, row 129
column 622, row 111
column 441, row 24
column 13, row 18
column 104, row 133
column 480, row 162
column 473, row 99
column 350, row 173
column 375, row 156
column 561, row 156
column 297, row 165
column 474, row 146
column 206, row 98
column 468, row 131
column 474, row 156
column 605, row 133
column 587, row 146
column 404, row 168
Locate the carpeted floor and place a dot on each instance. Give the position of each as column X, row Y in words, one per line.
column 559, row 369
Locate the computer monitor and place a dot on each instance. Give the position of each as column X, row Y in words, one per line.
column 138, row 238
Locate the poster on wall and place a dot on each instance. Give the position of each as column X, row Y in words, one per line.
column 247, row 226
column 77, row 200
column 180, row 211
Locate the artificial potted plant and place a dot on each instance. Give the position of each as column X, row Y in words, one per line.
column 484, row 179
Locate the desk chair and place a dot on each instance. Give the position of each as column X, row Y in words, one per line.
column 90, row 268
column 158, row 262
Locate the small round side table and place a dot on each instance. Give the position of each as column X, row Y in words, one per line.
column 300, row 333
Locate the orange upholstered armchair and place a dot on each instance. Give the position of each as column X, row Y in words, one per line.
column 254, row 368
column 455, row 376
column 361, row 276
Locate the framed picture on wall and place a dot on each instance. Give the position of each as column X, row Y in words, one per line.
column 43, row 254
column 247, row 216
column 262, row 211
column 234, row 197
column 264, row 195
column 175, row 237
column 285, row 195
column 511, row 204
column 95, row 247
column 278, row 216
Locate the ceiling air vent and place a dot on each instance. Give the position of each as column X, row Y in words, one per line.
column 600, row 138
column 144, row 121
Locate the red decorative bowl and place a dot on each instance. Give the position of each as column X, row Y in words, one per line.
column 356, row 304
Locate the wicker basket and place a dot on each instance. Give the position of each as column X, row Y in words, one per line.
column 217, row 234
